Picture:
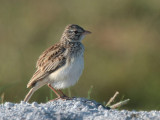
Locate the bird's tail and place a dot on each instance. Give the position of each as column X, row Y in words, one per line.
column 34, row 88
column 30, row 93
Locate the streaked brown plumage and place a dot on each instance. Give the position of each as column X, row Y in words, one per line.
column 50, row 60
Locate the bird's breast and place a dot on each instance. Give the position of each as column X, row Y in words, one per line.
column 69, row 74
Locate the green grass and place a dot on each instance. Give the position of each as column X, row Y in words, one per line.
column 2, row 98
column 89, row 92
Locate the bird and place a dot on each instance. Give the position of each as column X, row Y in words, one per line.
column 61, row 65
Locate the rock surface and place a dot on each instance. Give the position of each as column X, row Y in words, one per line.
column 77, row 108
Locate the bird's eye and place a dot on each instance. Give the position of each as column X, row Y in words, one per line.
column 75, row 32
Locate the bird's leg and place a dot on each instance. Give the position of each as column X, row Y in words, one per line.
column 64, row 97
column 63, row 94
column 58, row 96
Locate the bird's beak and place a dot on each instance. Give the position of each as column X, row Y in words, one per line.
column 86, row 32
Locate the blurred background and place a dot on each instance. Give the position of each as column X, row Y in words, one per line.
column 122, row 53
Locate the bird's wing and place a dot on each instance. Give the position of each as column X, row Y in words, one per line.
column 51, row 59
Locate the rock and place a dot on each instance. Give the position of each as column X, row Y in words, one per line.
column 76, row 108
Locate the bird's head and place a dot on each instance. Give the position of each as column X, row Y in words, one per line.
column 74, row 33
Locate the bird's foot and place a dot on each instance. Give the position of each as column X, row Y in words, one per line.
column 62, row 98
